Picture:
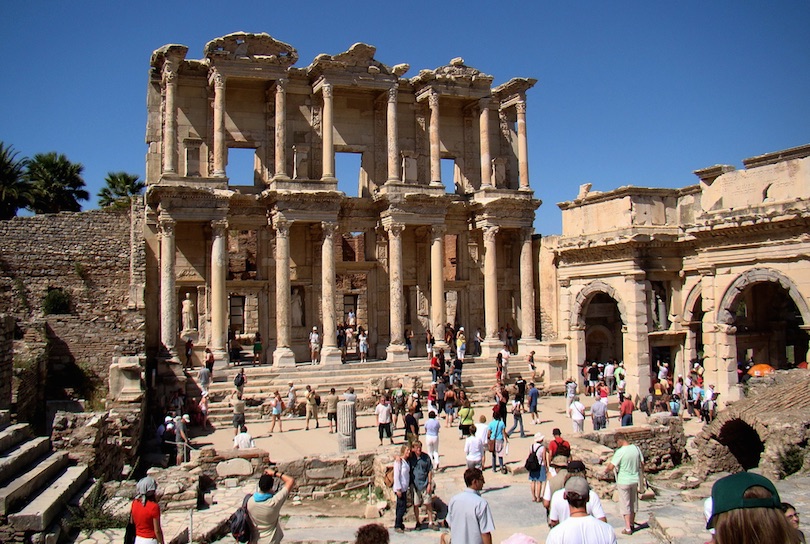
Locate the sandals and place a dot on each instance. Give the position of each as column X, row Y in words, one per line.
column 627, row 531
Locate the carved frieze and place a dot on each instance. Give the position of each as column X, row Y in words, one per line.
column 261, row 48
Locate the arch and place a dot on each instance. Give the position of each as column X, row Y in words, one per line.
column 691, row 300
column 743, row 442
column 752, row 277
column 587, row 292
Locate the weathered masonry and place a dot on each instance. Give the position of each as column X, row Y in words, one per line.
column 277, row 249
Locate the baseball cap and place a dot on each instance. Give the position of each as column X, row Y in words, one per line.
column 577, row 486
column 727, row 494
column 187, row 418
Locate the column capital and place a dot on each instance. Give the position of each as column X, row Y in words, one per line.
column 282, row 227
column 281, row 84
column 438, row 231
column 393, row 93
column 394, row 229
column 166, row 226
column 490, row 232
column 329, row 228
column 520, row 106
column 433, row 99
column 169, row 72
column 327, row 90
column 219, row 226
column 216, row 78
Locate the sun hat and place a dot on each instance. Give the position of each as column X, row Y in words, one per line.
column 577, row 485
column 727, row 494
column 539, row 437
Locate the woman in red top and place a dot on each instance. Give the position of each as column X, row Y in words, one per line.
column 145, row 513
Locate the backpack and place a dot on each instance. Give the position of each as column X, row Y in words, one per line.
column 532, row 463
column 238, row 380
column 643, row 405
column 399, row 397
column 388, row 478
column 240, row 524
column 564, row 449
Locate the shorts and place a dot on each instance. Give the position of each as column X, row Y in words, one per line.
column 533, row 408
column 238, row 420
column 448, row 408
column 312, row 410
column 538, row 475
column 418, row 498
column 628, row 498
column 331, row 416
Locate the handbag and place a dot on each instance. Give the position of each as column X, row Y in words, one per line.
column 642, row 479
column 129, row 532
column 491, row 445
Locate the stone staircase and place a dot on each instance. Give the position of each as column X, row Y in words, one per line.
column 262, row 381
column 36, row 483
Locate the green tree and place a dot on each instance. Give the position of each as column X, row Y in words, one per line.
column 57, row 184
column 15, row 190
column 120, row 187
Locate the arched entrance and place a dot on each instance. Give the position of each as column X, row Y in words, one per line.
column 603, row 328
column 769, row 325
column 743, row 442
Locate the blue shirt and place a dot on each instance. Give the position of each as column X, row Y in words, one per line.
column 534, row 394
column 496, row 429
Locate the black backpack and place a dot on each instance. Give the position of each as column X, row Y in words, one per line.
column 564, row 449
column 238, row 380
column 241, row 526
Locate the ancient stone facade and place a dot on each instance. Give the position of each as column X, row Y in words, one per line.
column 716, row 272
column 277, row 249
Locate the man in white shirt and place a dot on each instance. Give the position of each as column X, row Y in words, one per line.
column 559, row 510
column 580, row 527
column 314, row 345
column 243, row 440
column 383, row 413
column 577, row 412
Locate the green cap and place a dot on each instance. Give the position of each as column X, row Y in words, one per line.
column 727, row 494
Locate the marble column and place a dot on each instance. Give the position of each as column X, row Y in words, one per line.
column 491, row 343
column 281, row 129
column 218, row 81
column 283, row 354
column 396, row 350
column 170, row 117
column 262, row 275
column 438, row 311
column 435, row 140
column 219, row 290
column 393, row 136
column 523, row 146
column 486, row 157
column 635, row 333
column 330, row 354
column 527, row 316
column 168, row 296
column 328, row 136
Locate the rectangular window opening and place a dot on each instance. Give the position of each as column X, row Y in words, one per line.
column 348, row 167
column 449, row 175
column 241, row 168
column 237, row 314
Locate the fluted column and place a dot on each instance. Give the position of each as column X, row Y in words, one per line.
column 328, row 138
column 526, row 285
column 283, row 355
column 491, row 283
column 435, row 140
column 396, row 349
column 486, row 158
column 393, row 136
column 330, row 354
column 523, row 146
column 437, row 302
column 218, row 81
column 281, row 129
column 170, row 117
column 219, row 291
column 168, row 296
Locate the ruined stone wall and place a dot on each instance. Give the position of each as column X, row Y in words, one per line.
column 6, row 359
column 88, row 256
column 662, row 441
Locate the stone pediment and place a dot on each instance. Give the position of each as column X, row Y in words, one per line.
column 358, row 59
column 261, row 48
column 456, row 73
column 172, row 50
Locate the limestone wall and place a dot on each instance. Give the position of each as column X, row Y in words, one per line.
column 88, row 255
column 662, row 442
column 6, row 359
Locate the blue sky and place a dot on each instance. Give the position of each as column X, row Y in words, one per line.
column 628, row 93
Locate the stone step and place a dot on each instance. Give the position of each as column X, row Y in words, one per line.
column 13, row 461
column 21, row 487
column 47, row 505
column 5, row 418
column 14, row 434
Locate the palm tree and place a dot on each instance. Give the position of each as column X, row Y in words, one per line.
column 120, row 186
column 15, row 190
column 57, row 184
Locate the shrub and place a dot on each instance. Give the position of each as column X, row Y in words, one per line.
column 56, row 301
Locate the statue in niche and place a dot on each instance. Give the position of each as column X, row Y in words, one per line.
column 189, row 314
column 297, row 305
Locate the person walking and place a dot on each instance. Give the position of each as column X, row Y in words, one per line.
column 362, row 345
column 468, row 514
column 331, row 410
column 537, row 478
column 576, row 412
column 292, row 402
column 383, row 414
column 432, row 428
column 209, row 361
column 449, row 405
column 313, row 400
column 204, row 378
column 240, row 380
column 264, row 507
column 570, row 391
column 581, row 526
column 497, row 441
column 145, row 513
column 238, row 405
column 461, row 344
column 411, row 425
column 402, row 482
column 474, row 450
column 466, row 417
column 626, row 411
column 203, row 405
column 599, row 415
column 421, row 486
column 257, row 349
column 276, row 408
column 517, row 416
column 314, row 345
column 534, row 397
column 628, row 461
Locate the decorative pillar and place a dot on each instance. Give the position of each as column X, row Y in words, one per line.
column 435, row 140
column 283, row 355
column 486, row 158
column 218, row 81
column 526, row 285
column 281, row 129
column 263, row 295
column 219, row 291
column 393, row 137
column 491, row 344
column 330, row 354
column 635, row 334
column 438, row 311
column 396, row 349
column 170, row 117
column 523, row 146
column 347, row 425
column 328, row 137
column 168, row 296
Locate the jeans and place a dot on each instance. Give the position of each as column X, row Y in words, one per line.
column 432, row 447
column 627, row 420
column 401, row 508
column 456, row 378
column 518, row 420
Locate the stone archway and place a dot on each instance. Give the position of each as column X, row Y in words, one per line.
column 752, row 277
column 588, row 292
column 743, row 443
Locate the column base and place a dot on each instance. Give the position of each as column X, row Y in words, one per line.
column 331, row 356
column 328, row 178
column 282, row 177
column 441, row 345
column 283, row 357
column 396, row 353
column 490, row 348
column 220, row 354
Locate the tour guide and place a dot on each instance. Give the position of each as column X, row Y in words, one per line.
column 264, row 507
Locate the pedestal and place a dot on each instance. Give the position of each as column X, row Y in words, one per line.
column 283, row 357
column 396, row 354
column 331, row 356
column 347, row 425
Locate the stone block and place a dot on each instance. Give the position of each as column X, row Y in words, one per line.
column 234, row 467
